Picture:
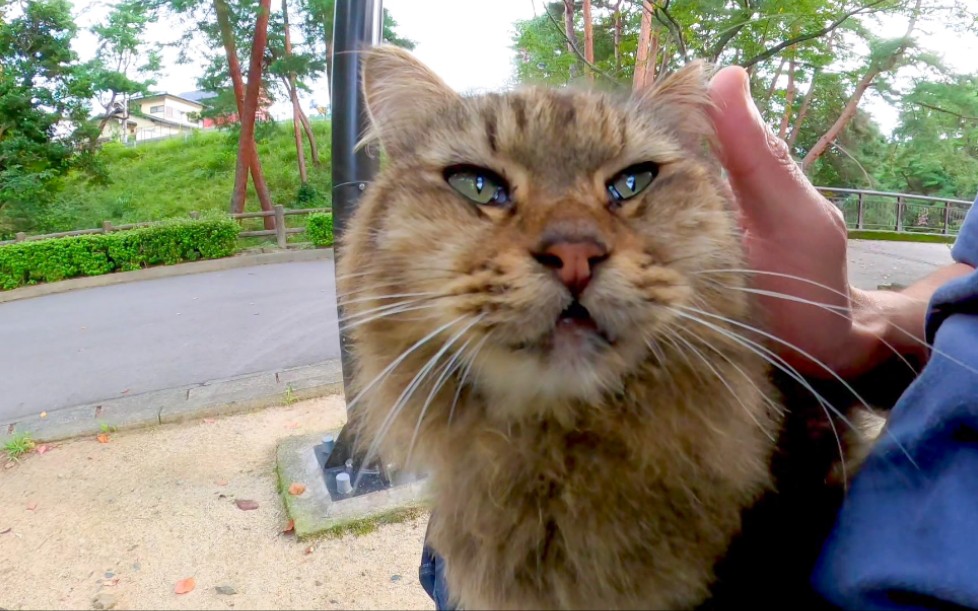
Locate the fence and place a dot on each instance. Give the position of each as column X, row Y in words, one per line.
column 863, row 210
column 900, row 212
column 281, row 232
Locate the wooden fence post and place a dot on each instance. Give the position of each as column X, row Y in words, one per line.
column 194, row 214
column 280, row 225
column 860, row 212
column 107, row 226
column 20, row 236
column 899, row 213
column 947, row 218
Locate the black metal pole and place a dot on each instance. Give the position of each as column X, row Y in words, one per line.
column 357, row 24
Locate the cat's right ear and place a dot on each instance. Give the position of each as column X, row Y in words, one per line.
column 399, row 92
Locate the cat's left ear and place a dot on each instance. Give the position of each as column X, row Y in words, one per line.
column 400, row 92
column 681, row 103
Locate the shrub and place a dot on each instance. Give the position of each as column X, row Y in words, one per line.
column 320, row 229
column 166, row 243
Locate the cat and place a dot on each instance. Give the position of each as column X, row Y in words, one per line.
column 545, row 315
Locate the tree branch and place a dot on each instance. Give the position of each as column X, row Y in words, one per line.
column 577, row 52
column 808, row 36
column 946, row 111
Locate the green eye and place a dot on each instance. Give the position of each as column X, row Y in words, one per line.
column 631, row 181
column 480, row 185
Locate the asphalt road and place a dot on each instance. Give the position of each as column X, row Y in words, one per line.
column 96, row 344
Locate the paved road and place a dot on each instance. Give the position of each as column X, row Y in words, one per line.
column 97, row 344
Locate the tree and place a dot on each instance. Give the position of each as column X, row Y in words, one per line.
column 121, row 56
column 44, row 109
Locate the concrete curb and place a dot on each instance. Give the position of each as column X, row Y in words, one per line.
column 167, row 271
column 213, row 398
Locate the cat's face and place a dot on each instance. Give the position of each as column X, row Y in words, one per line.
column 551, row 238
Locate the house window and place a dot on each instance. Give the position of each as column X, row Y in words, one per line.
column 156, row 109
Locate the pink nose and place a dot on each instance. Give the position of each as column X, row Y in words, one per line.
column 573, row 262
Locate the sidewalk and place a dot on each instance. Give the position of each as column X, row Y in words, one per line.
column 122, row 522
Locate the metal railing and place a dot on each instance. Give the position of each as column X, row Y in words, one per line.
column 899, row 212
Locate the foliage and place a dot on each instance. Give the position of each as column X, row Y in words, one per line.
column 43, row 109
column 169, row 178
column 166, row 243
column 319, row 228
column 18, row 445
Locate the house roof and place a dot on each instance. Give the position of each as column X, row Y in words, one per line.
column 167, row 95
column 198, row 95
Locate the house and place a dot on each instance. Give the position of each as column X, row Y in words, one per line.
column 154, row 116
column 201, row 96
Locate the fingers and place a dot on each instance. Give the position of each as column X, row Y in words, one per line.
column 768, row 182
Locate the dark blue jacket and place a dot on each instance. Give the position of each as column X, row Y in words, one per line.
column 907, row 536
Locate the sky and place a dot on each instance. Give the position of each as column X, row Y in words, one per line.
column 467, row 43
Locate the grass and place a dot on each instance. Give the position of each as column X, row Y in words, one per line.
column 170, row 178
column 364, row 526
column 18, row 445
column 901, row 236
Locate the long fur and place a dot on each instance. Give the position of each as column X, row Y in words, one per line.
column 612, row 477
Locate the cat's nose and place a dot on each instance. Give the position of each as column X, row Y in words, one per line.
column 573, row 261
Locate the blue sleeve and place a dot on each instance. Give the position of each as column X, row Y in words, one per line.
column 907, row 535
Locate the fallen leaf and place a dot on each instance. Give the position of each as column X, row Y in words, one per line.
column 32, row 506
column 245, row 505
column 44, row 414
column 8, row 529
column 41, row 449
column 102, row 438
column 292, row 426
column 124, row 391
column 10, row 465
column 110, row 582
column 296, row 488
column 221, row 482
column 185, row 585
column 310, row 550
column 209, row 421
column 290, row 527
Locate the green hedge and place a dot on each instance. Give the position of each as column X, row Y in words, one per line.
column 167, row 243
column 320, row 229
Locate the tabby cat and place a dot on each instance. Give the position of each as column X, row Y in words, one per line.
column 541, row 320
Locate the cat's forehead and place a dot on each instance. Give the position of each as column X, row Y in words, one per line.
column 545, row 130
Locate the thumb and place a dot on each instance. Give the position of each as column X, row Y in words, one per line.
column 767, row 181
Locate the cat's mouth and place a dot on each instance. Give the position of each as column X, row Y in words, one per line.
column 576, row 318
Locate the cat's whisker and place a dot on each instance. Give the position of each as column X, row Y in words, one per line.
column 791, row 372
column 385, row 314
column 381, row 308
column 465, row 375
column 394, row 296
column 837, row 310
column 415, row 384
column 726, row 384
column 910, row 334
column 448, row 369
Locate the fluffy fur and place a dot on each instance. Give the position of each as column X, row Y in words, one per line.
column 611, row 475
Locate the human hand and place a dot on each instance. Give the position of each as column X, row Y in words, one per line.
column 796, row 241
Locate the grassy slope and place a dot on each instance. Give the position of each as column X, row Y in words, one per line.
column 167, row 178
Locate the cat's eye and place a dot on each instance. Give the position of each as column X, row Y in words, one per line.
column 480, row 185
column 631, row 181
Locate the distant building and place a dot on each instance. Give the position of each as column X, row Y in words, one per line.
column 154, row 116
column 201, row 96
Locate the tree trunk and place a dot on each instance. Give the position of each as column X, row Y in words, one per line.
column 617, row 34
column 651, row 61
column 642, row 53
column 588, row 37
column 293, row 94
column 803, row 111
column 313, row 148
column 874, row 70
column 569, row 31
column 774, row 81
column 789, row 99
column 253, row 161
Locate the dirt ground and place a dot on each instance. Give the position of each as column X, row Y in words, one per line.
column 88, row 524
